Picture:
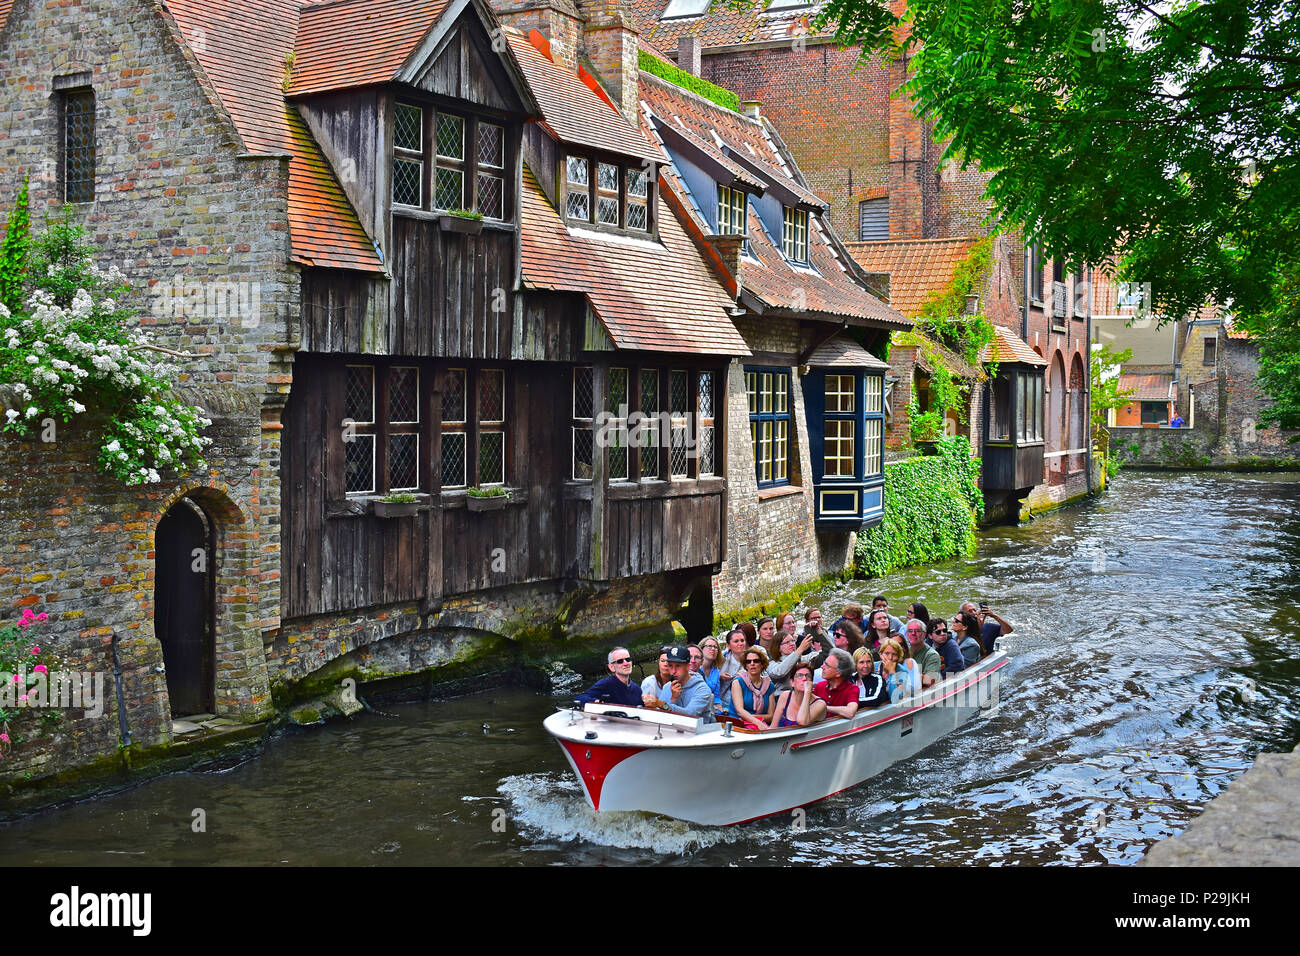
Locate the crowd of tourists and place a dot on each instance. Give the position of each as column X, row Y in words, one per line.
column 775, row 672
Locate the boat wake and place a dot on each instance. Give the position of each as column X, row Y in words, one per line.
column 553, row 806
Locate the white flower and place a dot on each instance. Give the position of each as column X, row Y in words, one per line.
column 32, row 411
column 32, row 359
column 78, row 408
column 11, row 414
column 114, row 445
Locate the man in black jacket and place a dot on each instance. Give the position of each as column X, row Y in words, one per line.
column 617, row 688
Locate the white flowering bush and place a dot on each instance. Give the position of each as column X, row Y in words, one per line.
column 67, row 347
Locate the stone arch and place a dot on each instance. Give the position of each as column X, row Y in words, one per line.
column 1056, row 421
column 240, row 685
column 1078, row 426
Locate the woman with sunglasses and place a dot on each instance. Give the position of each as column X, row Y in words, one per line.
column 898, row 671
column 752, row 692
column 965, row 630
column 709, row 651
column 799, row 706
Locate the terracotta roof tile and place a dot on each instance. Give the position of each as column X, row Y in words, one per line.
column 649, row 296
column 842, row 352
column 1151, row 387
column 916, row 267
column 241, row 50
column 1010, row 348
column 827, row 288
column 573, row 110
column 5, row 7
column 724, row 25
column 359, row 42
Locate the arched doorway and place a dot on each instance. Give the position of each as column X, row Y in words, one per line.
column 1078, row 427
column 183, row 605
column 1056, row 421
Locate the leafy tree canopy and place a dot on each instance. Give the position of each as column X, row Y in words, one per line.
column 1160, row 136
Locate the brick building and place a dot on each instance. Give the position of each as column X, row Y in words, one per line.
column 851, row 129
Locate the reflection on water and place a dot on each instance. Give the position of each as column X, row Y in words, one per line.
column 1154, row 656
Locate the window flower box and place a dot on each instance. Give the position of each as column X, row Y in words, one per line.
column 470, row 224
column 487, row 499
column 396, row 507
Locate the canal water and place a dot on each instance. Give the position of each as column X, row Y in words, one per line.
column 1155, row 654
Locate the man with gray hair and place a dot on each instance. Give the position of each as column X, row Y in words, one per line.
column 617, row 688
column 835, row 688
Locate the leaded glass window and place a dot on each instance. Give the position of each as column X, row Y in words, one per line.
column 449, row 176
column 78, row 145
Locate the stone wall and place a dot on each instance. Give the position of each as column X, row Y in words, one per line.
column 178, row 206
column 1233, row 438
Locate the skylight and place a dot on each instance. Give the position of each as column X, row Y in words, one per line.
column 686, row 8
column 787, row 4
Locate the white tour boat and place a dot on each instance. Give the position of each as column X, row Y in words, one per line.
column 629, row 758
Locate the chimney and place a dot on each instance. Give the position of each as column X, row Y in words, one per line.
column 557, row 20
column 609, row 41
column 907, row 153
column 752, row 108
column 688, row 54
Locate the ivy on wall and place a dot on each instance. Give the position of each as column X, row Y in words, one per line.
column 931, row 506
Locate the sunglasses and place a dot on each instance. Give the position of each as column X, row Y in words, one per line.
column 752, row 660
column 622, row 660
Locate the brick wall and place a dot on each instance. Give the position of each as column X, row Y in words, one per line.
column 176, row 201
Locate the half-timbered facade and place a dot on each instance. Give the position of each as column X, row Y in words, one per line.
column 806, row 463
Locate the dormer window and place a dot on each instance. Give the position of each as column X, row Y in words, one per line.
column 794, row 237
column 637, row 194
column 445, row 162
column 578, row 194
column 607, row 195
column 731, row 211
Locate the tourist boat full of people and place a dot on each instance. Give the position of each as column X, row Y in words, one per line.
column 720, row 773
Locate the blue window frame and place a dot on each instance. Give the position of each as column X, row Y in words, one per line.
column 768, row 393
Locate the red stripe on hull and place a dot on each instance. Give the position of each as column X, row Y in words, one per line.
column 593, row 762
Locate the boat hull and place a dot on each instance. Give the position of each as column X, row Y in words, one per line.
column 710, row 778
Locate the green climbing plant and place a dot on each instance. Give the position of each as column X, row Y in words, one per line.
column 931, row 507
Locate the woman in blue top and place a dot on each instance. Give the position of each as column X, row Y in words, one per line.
column 710, row 650
column 897, row 671
column 752, row 691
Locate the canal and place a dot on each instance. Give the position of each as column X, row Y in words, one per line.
column 1155, row 654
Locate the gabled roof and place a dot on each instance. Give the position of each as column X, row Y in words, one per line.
column 242, row 49
column 1009, row 348
column 349, row 43
column 769, row 282
column 650, row 296
column 573, row 106
column 1148, row 387
column 842, row 352
column 723, row 24
column 916, row 267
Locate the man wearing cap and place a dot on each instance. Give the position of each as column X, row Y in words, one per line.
column 617, row 688
column 685, row 693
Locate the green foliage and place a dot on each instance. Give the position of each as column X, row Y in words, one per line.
column 925, row 426
column 466, row 214
column 24, row 654
column 491, row 491
column 1158, row 137
column 71, row 349
column 1106, row 393
column 1186, row 455
column 688, row 81
column 931, row 505
column 14, row 252
column 399, row 498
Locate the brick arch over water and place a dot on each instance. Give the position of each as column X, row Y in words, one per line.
column 241, row 689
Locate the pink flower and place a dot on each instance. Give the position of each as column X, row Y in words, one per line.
column 41, row 669
column 28, row 613
column 23, row 698
column 35, row 651
column 24, row 622
column 4, row 738
column 18, row 679
column 42, row 616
